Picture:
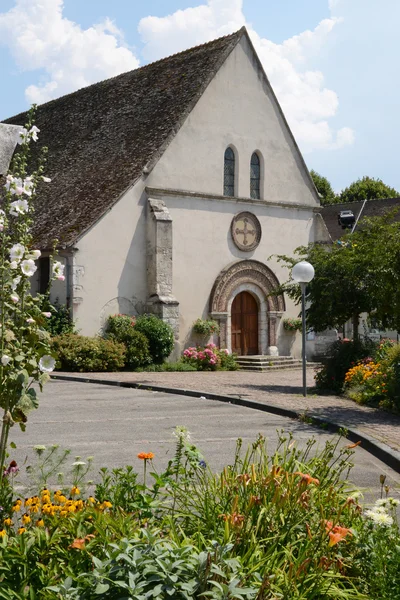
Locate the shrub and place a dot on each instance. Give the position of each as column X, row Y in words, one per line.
column 210, row 358
column 60, row 321
column 80, row 353
column 159, row 334
column 205, row 327
column 121, row 328
column 342, row 355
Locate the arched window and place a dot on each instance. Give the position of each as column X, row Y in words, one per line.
column 229, row 172
column 255, row 175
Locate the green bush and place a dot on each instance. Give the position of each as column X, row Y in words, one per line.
column 60, row 321
column 342, row 355
column 121, row 328
column 159, row 334
column 84, row 354
column 391, row 366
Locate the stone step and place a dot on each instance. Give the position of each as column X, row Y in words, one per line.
column 265, row 359
column 271, row 363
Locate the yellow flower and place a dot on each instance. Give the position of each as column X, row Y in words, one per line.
column 46, row 498
column 3, row 533
column 8, row 522
column 107, row 504
column 21, row 530
column 17, row 506
column 40, row 523
column 63, row 513
column 26, row 519
column 75, row 491
column 91, row 500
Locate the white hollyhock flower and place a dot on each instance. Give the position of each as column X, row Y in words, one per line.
column 9, row 182
column 13, row 264
column 19, row 207
column 16, row 186
column 27, row 186
column 47, row 363
column 5, row 359
column 14, row 297
column 2, row 217
column 33, row 132
column 30, row 320
column 28, row 267
column 34, row 254
column 46, row 179
column 22, row 135
column 58, row 270
column 17, row 252
column 15, row 282
column 46, row 314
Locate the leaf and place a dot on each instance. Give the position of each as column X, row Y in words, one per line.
column 101, row 588
column 22, row 426
column 13, row 445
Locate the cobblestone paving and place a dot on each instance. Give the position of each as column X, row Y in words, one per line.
column 282, row 388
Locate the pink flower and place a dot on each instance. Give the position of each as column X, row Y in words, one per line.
column 46, row 314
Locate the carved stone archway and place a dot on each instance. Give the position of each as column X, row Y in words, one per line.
column 252, row 275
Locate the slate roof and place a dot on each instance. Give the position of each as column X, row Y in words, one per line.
column 101, row 137
column 372, row 208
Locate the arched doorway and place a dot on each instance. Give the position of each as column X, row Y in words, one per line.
column 258, row 281
column 244, row 324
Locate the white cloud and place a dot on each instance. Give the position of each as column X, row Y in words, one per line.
column 39, row 37
column 305, row 100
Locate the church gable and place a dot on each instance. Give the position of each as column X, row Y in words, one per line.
column 239, row 114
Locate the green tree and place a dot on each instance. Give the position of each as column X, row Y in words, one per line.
column 324, row 188
column 359, row 273
column 367, row 188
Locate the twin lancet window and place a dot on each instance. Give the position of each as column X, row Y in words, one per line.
column 230, row 172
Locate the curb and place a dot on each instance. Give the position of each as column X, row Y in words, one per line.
column 382, row 451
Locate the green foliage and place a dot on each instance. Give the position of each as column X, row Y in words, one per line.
column 85, row 354
column 121, row 328
column 367, row 188
column 341, row 356
column 324, row 188
column 292, row 324
column 358, row 274
column 60, row 321
column 205, row 327
column 179, row 366
column 159, row 334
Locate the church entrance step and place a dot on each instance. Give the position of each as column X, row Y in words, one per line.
column 270, row 363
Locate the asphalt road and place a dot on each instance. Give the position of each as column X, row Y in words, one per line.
column 114, row 424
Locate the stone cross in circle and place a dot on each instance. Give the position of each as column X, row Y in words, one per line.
column 245, row 231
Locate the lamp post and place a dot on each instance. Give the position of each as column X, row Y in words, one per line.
column 303, row 272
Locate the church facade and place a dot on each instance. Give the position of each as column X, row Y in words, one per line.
column 173, row 188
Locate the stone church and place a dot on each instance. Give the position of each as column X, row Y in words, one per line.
column 173, row 187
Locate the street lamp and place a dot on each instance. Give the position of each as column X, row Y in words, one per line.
column 303, row 272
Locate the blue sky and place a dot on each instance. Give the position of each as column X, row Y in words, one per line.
column 333, row 63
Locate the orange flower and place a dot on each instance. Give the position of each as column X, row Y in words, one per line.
column 79, row 543
column 145, row 455
column 336, row 533
column 307, row 479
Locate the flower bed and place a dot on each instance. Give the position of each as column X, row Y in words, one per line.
column 210, row 358
column 270, row 526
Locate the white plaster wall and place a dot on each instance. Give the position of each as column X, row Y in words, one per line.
column 236, row 109
column 109, row 271
column 202, row 247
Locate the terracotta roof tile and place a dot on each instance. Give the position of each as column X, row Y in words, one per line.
column 101, row 137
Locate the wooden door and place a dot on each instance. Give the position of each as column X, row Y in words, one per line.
column 244, row 324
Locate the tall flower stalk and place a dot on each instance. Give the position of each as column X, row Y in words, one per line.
column 25, row 356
